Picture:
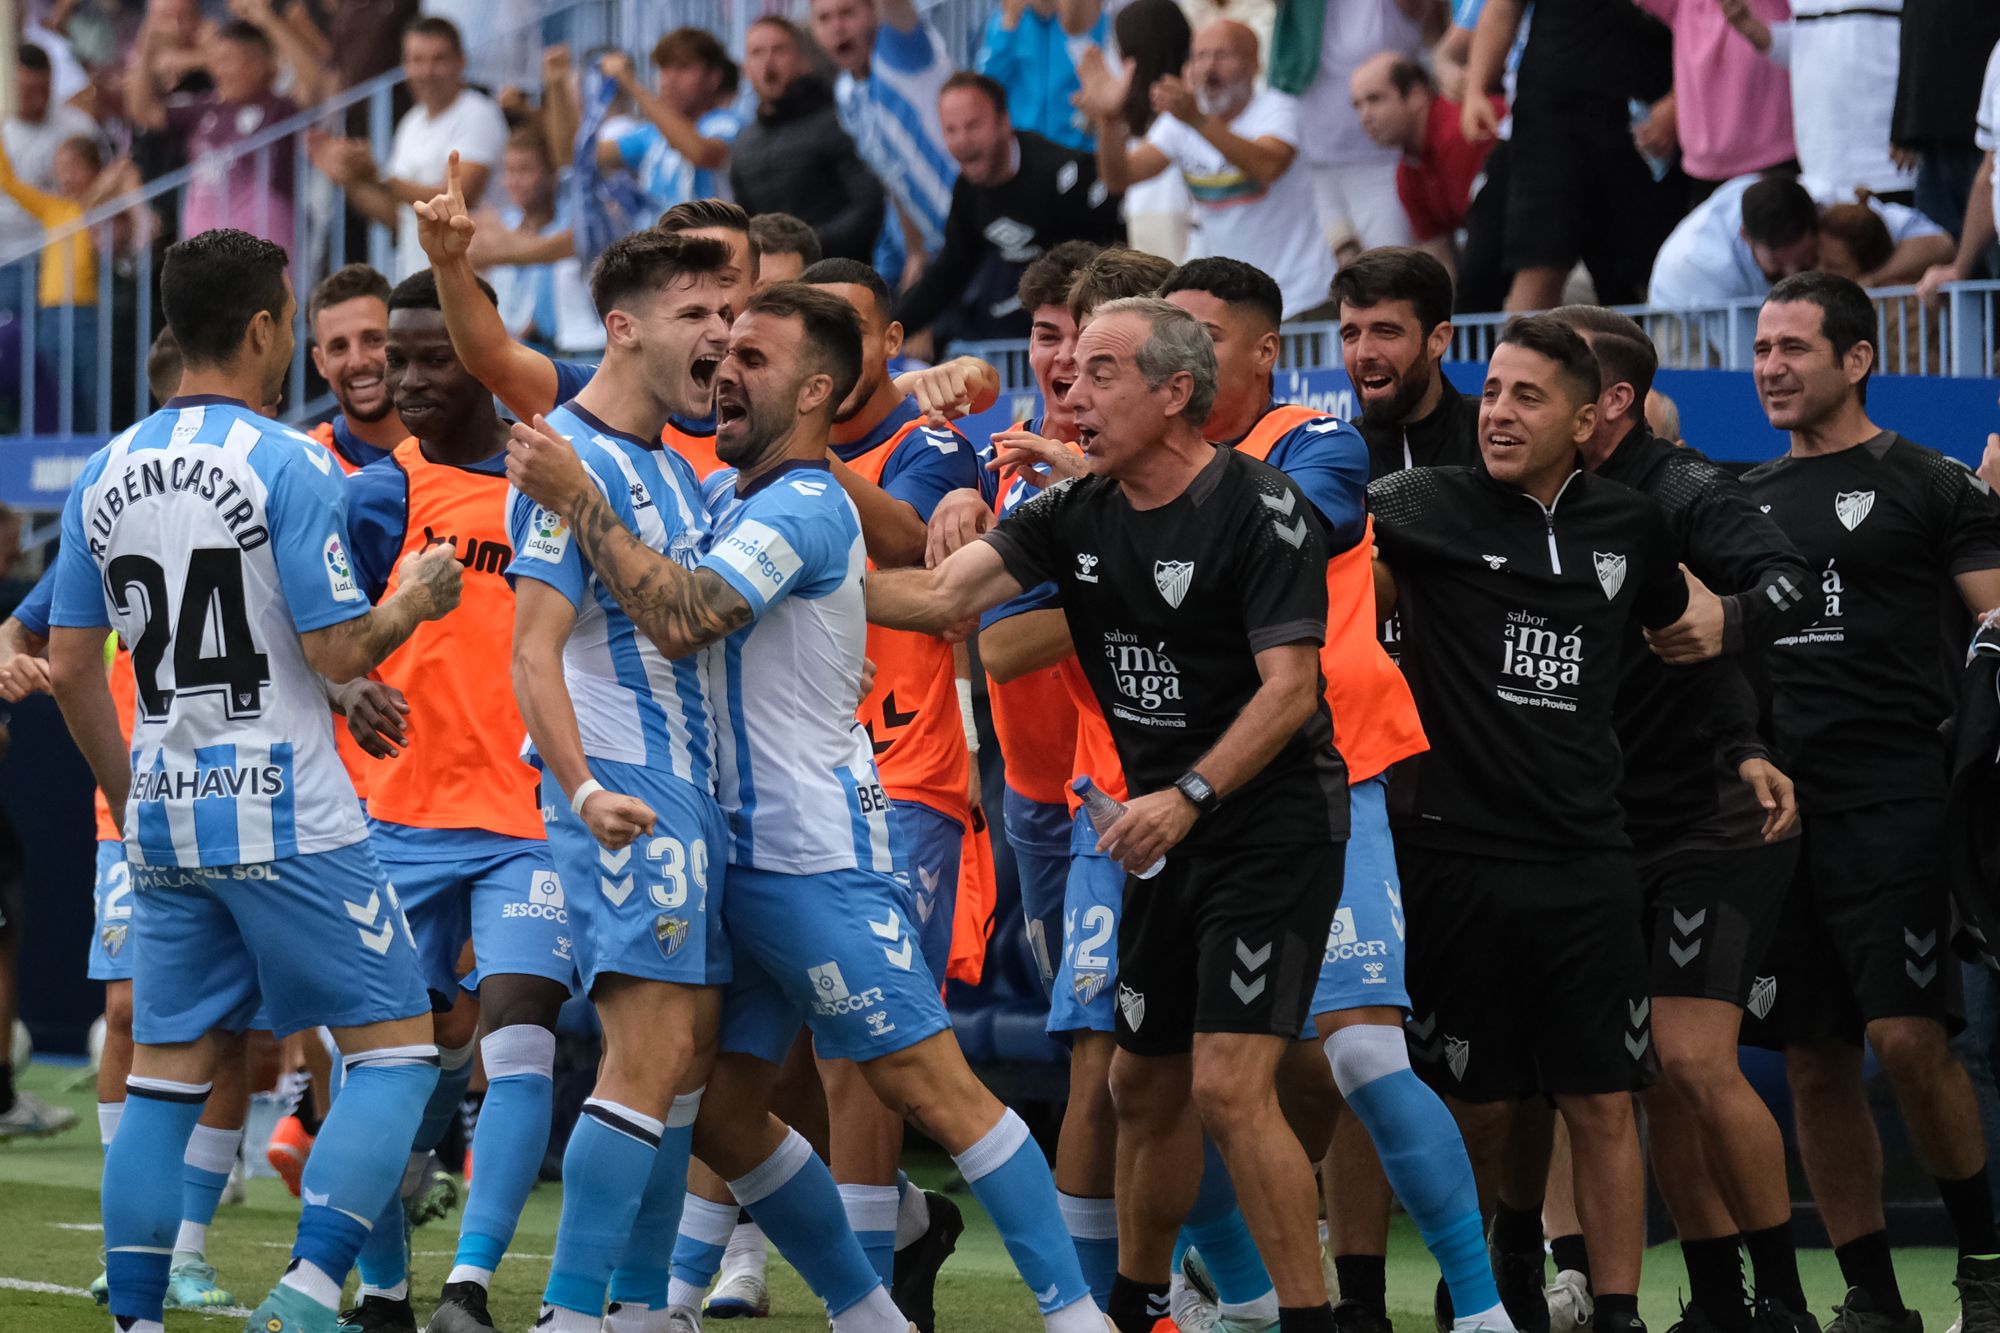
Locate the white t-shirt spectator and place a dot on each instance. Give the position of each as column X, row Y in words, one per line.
column 32, row 150
column 1706, row 260
column 1842, row 55
column 1275, row 227
column 1986, row 132
column 472, row 124
column 1355, row 30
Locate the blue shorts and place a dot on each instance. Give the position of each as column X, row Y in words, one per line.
column 1364, row 946
column 1093, row 899
column 652, row 909
column 933, row 842
column 320, row 938
column 111, row 921
column 503, row 894
column 1041, row 864
column 834, row 951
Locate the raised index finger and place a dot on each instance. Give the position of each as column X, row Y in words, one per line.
column 452, row 187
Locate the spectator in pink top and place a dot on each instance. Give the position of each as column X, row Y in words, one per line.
column 1730, row 108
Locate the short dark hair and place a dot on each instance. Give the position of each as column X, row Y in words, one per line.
column 419, row 291
column 1862, row 230
column 1114, row 273
column 783, row 234
column 1397, row 273
column 1778, row 211
column 695, row 46
column 1047, row 278
column 1232, row 282
column 852, row 273
column 32, row 57
column 1625, row 355
column 213, row 284
column 1548, row 336
column 704, row 214
column 968, row 81
column 833, row 329
column 245, row 33
column 1406, row 76
column 344, row 285
column 647, row 260
column 781, row 23
column 1847, row 316
column 163, row 366
column 432, row 26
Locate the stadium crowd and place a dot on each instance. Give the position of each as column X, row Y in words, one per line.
column 1418, row 809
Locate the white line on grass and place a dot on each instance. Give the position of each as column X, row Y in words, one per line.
column 52, row 1289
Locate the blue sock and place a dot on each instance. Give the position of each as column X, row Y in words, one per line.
column 1009, row 1176
column 1423, row 1157
column 704, row 1236
column 605, row 1171
column 643, row 1270
column 384, row 1260
column 1215, row 1226
column 454, row 1076
column 353, row 1172
column 141, row 1193
column 791, row 1195
column 1093, row 1229
column 871, row 1215
column 509, row 1142
column 211, row 1154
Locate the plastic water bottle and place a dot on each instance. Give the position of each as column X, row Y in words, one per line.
column 1104, row 812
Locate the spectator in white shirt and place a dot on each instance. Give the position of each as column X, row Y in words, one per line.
column 447, row 116
column 1237, row 149
column 1755, row 230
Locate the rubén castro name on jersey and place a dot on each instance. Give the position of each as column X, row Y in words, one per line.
column 181, row 474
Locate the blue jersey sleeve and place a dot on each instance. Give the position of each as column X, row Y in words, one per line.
column 792, row 539
column 544, row 548
column 927, row 465
column 33, row 612
column 571, row 376
column 632, row 150
column 911, row 52
column 378, row 519
column 989, row 480
column 77, row 596
column 1328, row 460
column 307, row 515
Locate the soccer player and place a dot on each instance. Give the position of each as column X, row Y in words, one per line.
column 1521, row 586
column 1198, row 584
column 1394, row 307
column 348, row 318
column 214, row 541
column 1714, row 837
column 454, row 814
column 1890, row 526
column 813, row 837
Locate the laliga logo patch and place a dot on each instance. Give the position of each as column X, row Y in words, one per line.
column 1850, row 507
column 1172, row 577
column 339, row 573
column 549, row 535
column 1610, row 572
column 670, row 933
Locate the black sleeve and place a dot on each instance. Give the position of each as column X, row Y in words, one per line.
column 852, row 231
column 1396, row 502
column 1026, row 538
column 1968, row 517
column 1282, row 569
column 1727, row 723
column 945, row 277
column 1737, row 550
column 1663, row 598
column 1091, row 213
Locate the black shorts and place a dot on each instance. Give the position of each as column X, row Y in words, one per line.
column 1710, row 916
column 1230, row 942
column 1865, row 932
column 1578, row 189
column 1526, row 977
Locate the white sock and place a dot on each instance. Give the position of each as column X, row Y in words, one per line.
column 1082, row 1317
column 555, row 1319
column 745, row 1250
column 686, row 1295
column 467, row 1273
column 108, row 1116
column 399, row 1292
column 1260, row 1313
column 1495, row 1320
column 192, row 1243
column 913, row 1215
column 312, row 1283
column 139, row 1326
column 876, row 1313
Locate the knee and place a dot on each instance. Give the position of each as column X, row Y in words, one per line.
column 1822, row 1071
column 504, row 1004
column 1909, row 1049
column 1694, row 1074
column 457, row 1027
column 1144, row 1092
column 1225, row 1099
column 1599, row 1117
column 118, row 1014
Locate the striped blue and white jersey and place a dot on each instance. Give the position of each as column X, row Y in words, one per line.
column 798, row 773
column 666, row 176
column 632, row 705
column 893, row 116
column 211, row 538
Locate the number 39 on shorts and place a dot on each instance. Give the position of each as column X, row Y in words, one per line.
column 680, row 864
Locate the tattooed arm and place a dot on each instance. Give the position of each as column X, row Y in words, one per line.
column 681, row 612
column 427, row 587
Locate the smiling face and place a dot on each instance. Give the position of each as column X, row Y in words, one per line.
column 1052, row 358
column 350, row 349
column 757, row 388
column 1118, row 418
column 1388, row 358
column 1532, row 420
column 431, row 387
column 1800, row 382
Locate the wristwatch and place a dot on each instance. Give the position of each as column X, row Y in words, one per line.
column 1195, row 787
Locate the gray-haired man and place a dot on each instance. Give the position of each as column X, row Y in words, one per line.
column 1194, row 583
